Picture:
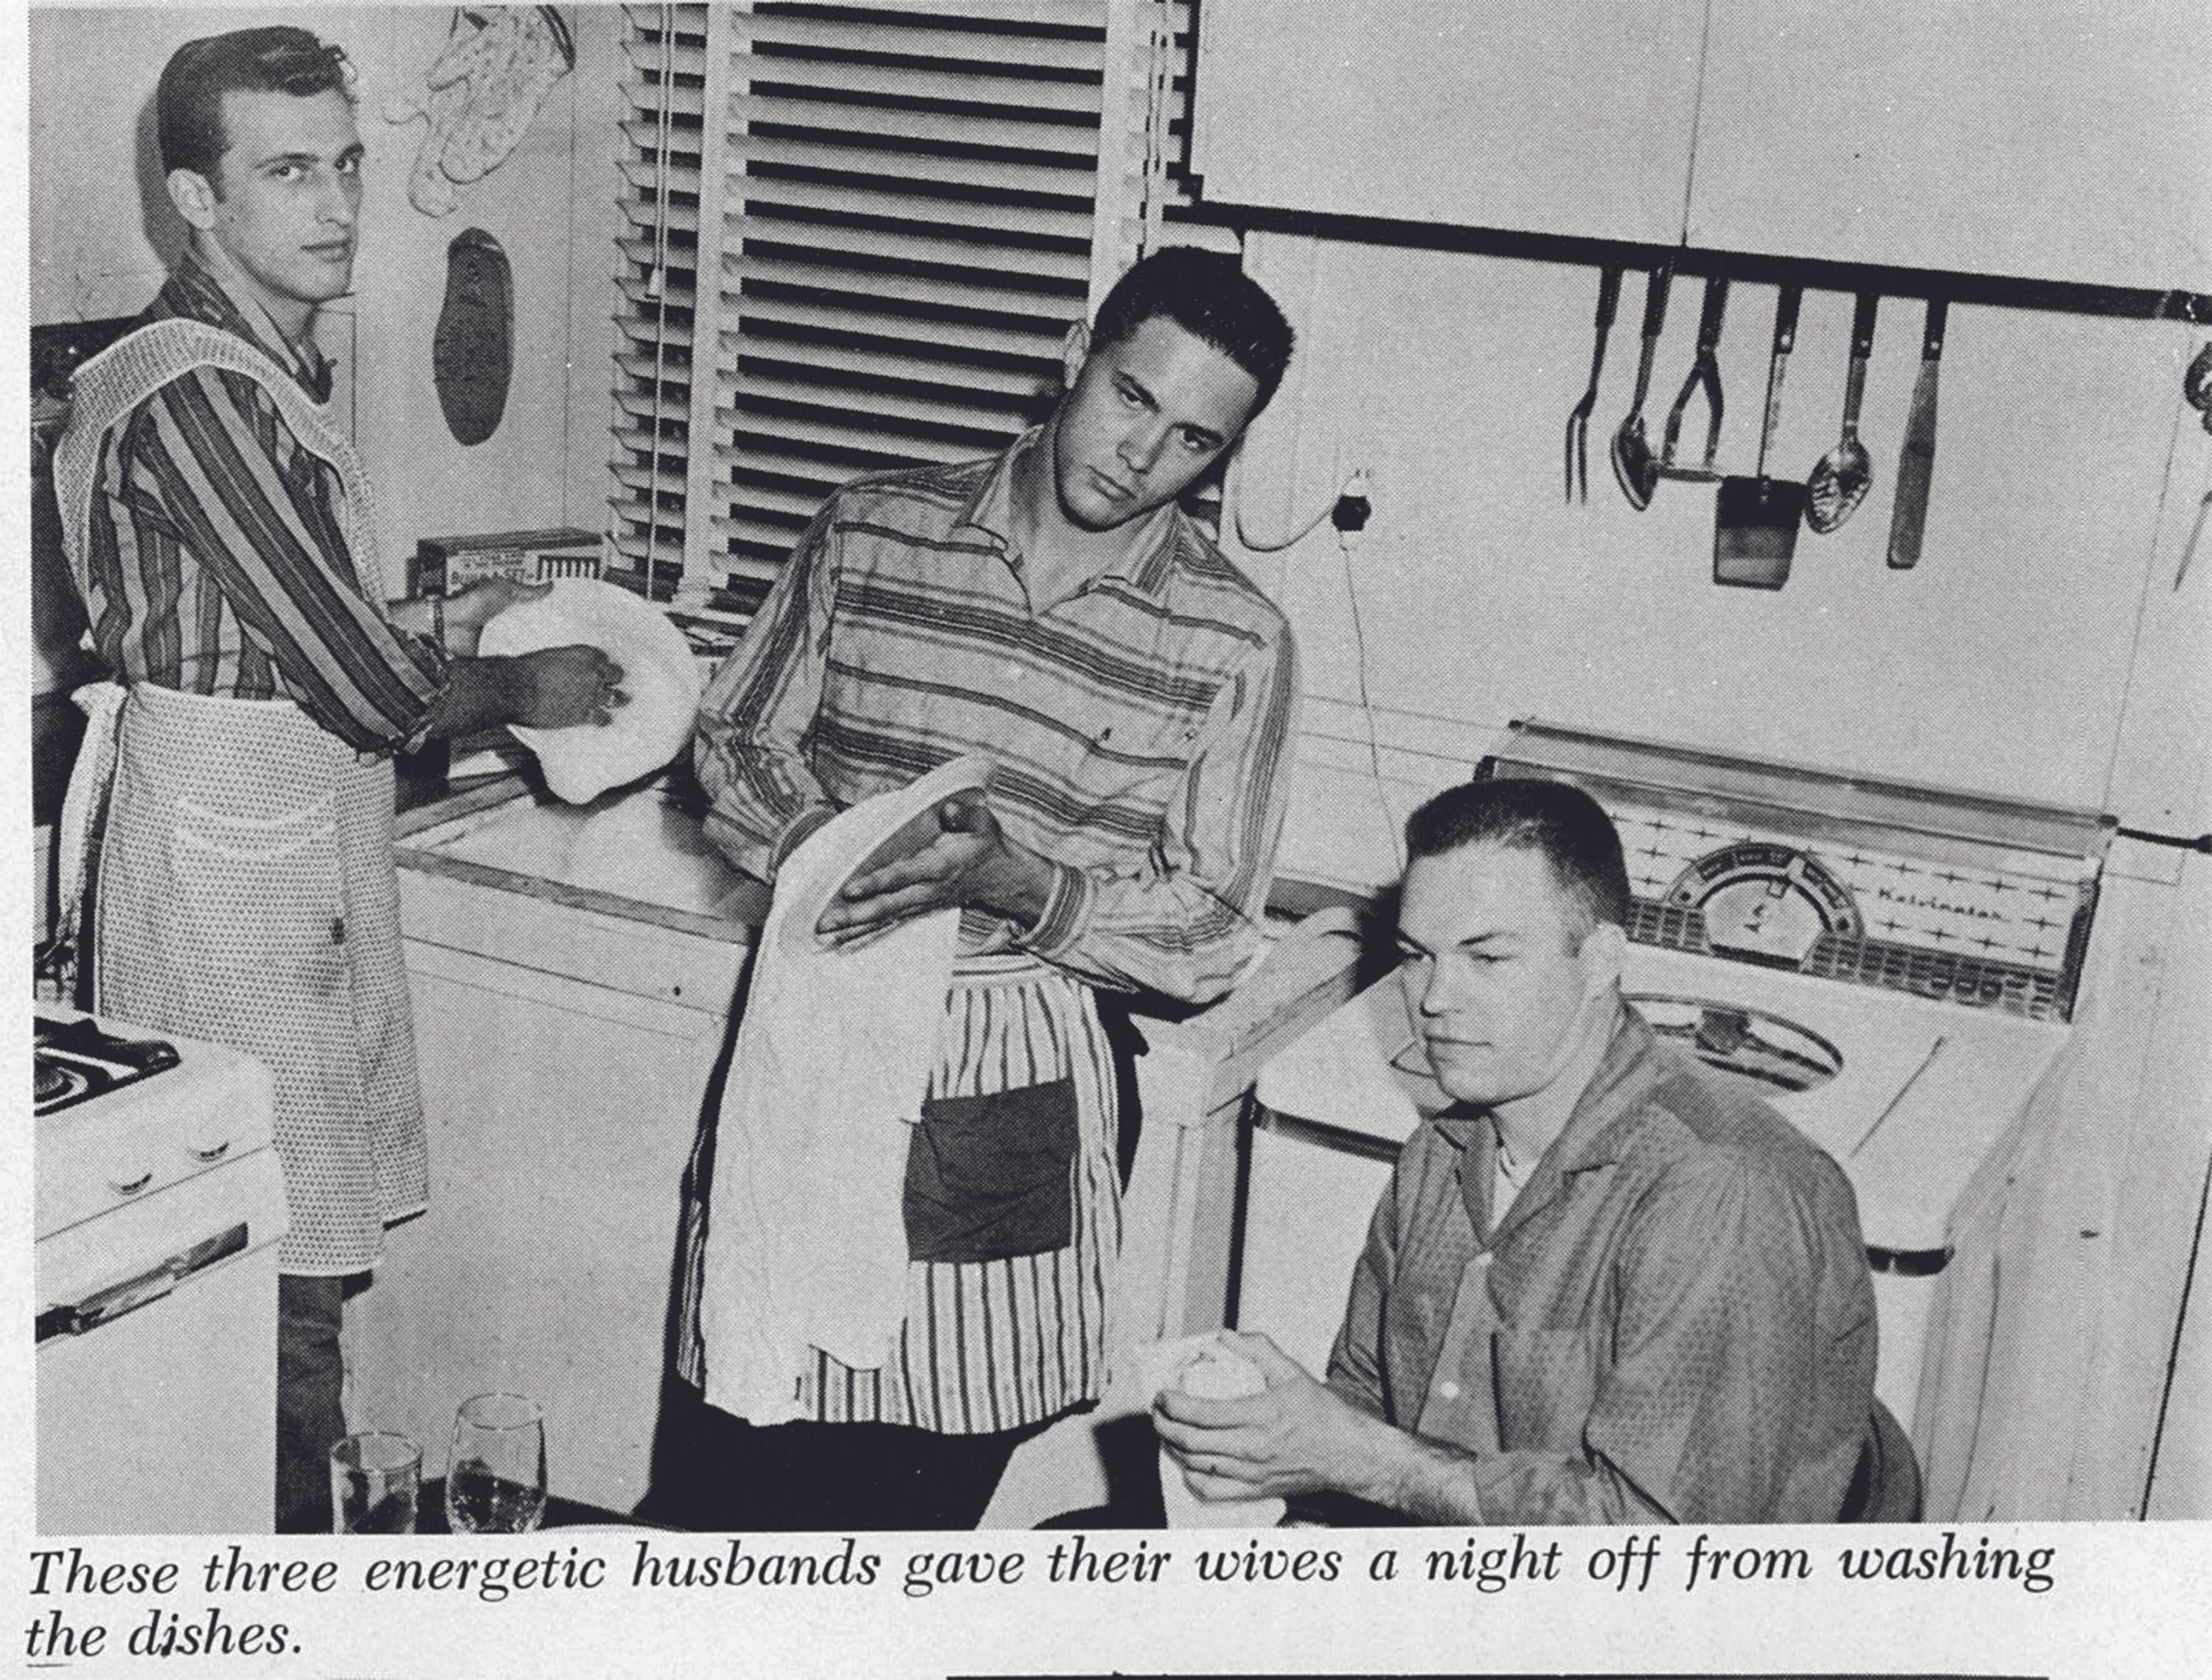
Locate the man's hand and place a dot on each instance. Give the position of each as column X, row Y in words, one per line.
column 1297, row 1437
column 971, row 861
column 468, row 610
column 561, row 686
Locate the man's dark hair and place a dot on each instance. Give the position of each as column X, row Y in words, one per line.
column 188, row 103
column 1209, row 296
column 1568, row 827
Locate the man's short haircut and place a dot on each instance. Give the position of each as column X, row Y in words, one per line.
column 188, row 103
column 1208, row 295
column 1564, row 824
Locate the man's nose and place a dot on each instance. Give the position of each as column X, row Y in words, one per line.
column 341, row 199
column 1140, row 448
column 1436, row 994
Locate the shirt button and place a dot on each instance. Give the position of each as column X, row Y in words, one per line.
column 1449, row 1390
column 1485, row 1258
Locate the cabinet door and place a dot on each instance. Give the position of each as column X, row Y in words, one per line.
column 1572, row 118
column 2060, row 139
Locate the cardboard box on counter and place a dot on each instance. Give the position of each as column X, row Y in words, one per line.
column 446, row 565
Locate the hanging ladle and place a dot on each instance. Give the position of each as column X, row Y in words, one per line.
column 1633, row 462
column 1839, row 483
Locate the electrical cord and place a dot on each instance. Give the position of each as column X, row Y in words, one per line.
column 1253, row 545
column 1350, row 515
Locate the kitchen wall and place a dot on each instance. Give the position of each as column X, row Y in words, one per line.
column 2002, row 663
column 102, row 234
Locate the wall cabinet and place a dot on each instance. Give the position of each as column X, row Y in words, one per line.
column 1570, row 119
column 2057, row 139
column 2063, row 139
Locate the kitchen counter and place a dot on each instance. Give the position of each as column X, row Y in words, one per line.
column 426, row 800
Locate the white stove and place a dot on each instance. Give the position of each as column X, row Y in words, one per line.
column 159, row 1205
column 1893, row 966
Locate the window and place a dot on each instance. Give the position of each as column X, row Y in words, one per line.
column 911, row 211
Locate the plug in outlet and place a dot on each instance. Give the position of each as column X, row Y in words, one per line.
column 1353, row 510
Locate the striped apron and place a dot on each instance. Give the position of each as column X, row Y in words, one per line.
column 986, row 1344
column 245, row 889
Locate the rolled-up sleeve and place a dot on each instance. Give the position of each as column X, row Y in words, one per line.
column 1355, row 1363
column 213, row 468
column 749, row 751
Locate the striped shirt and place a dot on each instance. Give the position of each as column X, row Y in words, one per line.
column 217, row 564
column 1140, row 726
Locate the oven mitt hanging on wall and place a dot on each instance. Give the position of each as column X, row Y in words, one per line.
column 481, row 96
column 472, row 351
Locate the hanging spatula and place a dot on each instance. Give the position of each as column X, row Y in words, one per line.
column 1915, row 461
column 1755, row 520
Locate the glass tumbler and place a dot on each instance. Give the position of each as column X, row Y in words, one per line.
column 495, row 1478
column 374, row 1480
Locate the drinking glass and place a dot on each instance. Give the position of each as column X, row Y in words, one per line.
column 375, row 1478
column 495, row 1478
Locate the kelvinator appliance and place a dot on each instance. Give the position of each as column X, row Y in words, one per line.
column 159, row 1205
column 1893, row 966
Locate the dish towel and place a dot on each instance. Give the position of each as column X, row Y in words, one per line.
column 806, row 1235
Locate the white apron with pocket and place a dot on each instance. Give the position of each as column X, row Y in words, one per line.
column 245, row 890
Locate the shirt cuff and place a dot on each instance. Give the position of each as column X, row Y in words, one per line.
column 1066, row 913
column 419, row 736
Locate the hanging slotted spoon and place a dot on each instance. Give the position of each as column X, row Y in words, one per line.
column 1633, row 462
column 1839, row 483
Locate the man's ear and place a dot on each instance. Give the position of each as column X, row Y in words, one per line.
column 1074, row 351
column 195, row 198
column 1605, row 955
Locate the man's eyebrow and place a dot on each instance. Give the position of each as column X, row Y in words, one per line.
column 1494, row 935
column 1137, row 386
column 277, row 158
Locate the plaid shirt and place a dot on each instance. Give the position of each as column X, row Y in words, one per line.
column 216, row 562
column 1140, row 726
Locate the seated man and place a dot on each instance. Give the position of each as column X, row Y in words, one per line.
column 1607, row 1285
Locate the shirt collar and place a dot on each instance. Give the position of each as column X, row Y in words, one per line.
column 1146, row 559
column 1593, row 1135
column 195, row 292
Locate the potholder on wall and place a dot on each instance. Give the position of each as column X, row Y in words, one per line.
column 481, row 96
column 472, row 351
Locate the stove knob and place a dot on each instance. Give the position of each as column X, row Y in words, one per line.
column 206, row 1138
column 127, row 1176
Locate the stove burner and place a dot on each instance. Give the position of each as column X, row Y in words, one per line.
column 75, row 1060
column 51, row 1080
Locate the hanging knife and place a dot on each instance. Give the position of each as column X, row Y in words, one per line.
column 1915, row 461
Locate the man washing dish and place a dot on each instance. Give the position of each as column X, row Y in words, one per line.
column 223, row 536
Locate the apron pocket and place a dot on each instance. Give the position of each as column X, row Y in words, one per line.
column 989, row 1177
column 1546, row 1382
column 260, row 906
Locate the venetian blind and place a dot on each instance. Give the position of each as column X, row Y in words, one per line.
column 858, row 234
